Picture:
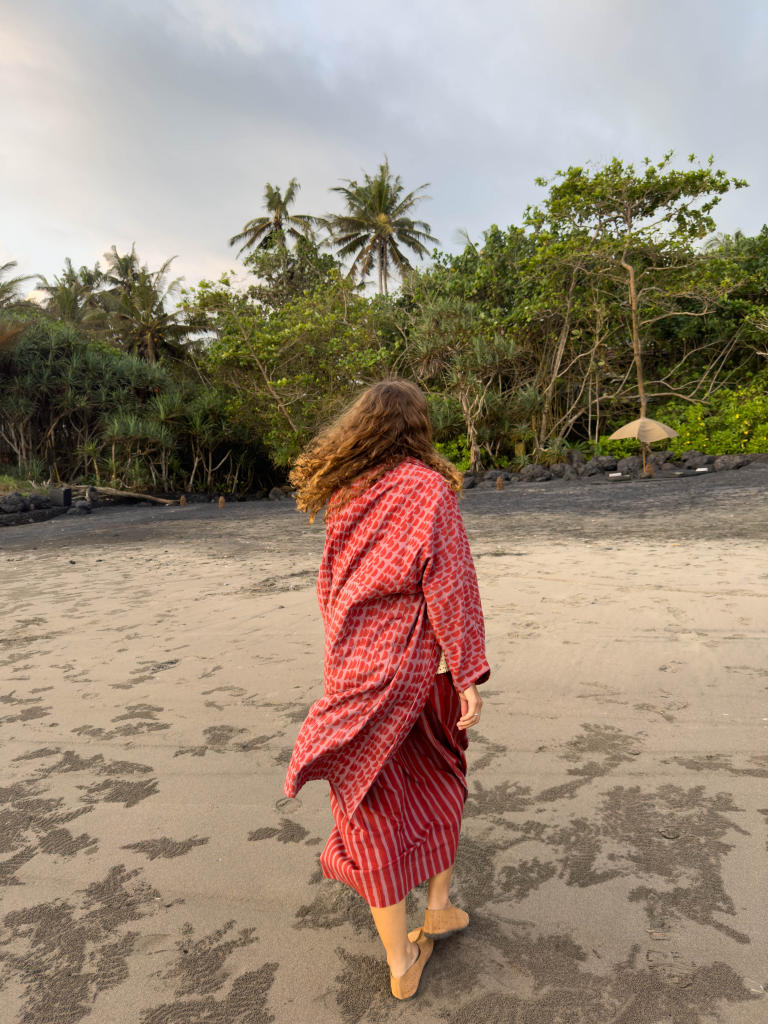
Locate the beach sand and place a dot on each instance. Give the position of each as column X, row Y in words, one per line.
column 155, row 665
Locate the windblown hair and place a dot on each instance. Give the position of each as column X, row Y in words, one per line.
column 387, row 423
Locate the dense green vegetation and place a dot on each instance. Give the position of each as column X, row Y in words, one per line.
column 613, row 297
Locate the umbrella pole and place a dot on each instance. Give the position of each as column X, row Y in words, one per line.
column 645, row 467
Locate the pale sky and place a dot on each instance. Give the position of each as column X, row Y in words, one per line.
column 159, row 121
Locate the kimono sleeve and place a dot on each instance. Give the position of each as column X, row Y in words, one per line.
column 449, row 583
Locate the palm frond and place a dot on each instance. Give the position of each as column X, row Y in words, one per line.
column 258, row 232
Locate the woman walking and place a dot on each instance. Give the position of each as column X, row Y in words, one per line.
column 404, row 653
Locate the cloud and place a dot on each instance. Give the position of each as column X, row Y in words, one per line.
column 160, row 121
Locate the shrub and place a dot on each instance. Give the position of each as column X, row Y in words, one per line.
column 616, row 449
column 735, row 420
column 456, row 451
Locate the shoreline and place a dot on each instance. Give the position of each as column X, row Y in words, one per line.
column 690, row 506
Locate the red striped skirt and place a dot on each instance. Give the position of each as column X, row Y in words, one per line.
column 406, row 828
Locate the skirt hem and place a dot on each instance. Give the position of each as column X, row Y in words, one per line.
column 411, row 869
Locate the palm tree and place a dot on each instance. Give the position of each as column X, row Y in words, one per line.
column 264, row 232
column 10, row 300
column 140, row 320
column 376, row 226
column 9, row 290
column 132, row 309
column 72, row 297
column 124, row 269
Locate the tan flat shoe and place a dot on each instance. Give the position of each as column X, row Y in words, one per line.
column 439, row 924
column 407, row 984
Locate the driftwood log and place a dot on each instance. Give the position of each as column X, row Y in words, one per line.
column 114, row 492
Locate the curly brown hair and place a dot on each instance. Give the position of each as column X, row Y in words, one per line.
column 386, row 424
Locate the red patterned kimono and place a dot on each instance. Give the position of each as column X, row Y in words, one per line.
column 396, row 586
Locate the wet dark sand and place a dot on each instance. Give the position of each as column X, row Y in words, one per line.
column 154, row 667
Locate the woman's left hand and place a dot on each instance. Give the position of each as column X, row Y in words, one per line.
column 471, row 703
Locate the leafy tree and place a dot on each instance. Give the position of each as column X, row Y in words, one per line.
column 453, row 349
column 285, row 274
column 293, row 367
column 504, row 277
column 743, row 315
column 569, row 325
column 489, row 274
column 377, row 228
column 278, row 225
column 637, row 230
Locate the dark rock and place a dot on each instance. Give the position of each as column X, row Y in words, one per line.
column 78, row 510
column 277, row 494
column 657, row 459
column 632, row 465
column 486, row 485
column 698, row 461
column 493, row 474
column 35, row 515
column 729, row 462
column 61, row 496
column 84, row 505
column 39, row 501
column 14, row 502
column 598, row 464
column 92, row 495
column 564, row 471
column 470, row 481
column 534, row 474
column 575, row 457
column 693, row 460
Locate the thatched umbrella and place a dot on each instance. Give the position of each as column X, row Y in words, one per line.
column 645, row 430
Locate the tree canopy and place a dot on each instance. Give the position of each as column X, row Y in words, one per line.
column 614, row 294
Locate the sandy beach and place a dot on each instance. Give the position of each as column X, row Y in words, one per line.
column 155, row 664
